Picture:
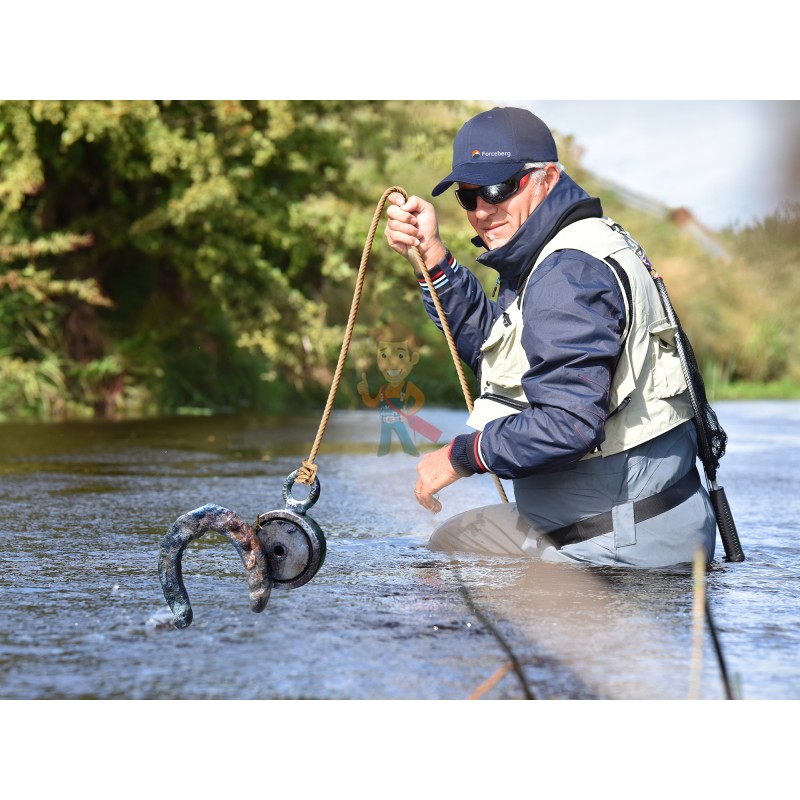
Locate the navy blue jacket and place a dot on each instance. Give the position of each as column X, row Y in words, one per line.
column 574, row 319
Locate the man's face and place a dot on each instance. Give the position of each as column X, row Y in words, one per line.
column 395, row 361
column 497, row 224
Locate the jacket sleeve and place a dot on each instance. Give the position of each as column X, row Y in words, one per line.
column 470, row 313
column 574, row 319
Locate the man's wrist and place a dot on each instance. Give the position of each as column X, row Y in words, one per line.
column 434, row 253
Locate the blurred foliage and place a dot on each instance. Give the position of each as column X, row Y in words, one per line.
column 160, row 256
column 768, row 288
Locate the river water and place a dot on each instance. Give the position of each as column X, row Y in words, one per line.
column 85, row 506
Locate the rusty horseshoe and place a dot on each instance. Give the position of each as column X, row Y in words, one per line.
column 193, row 525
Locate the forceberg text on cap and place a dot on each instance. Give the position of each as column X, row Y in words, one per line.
column 495, row 144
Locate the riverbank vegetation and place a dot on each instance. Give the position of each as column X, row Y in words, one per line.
column 162, row 257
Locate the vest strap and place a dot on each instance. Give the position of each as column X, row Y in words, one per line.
column 648, row 508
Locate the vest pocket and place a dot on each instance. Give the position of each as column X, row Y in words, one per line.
column 504, row 360
column 667, row 374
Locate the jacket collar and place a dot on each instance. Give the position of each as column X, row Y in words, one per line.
column 566, row 203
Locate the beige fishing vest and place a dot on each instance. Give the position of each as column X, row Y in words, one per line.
column 648, row 389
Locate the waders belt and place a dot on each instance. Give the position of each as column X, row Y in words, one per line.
column 642, row 510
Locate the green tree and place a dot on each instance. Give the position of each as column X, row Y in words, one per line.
column 203, row 252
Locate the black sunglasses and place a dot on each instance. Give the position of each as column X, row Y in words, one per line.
column 494, row 194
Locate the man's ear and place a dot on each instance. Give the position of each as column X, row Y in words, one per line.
column 551, row 177
column 414, row 358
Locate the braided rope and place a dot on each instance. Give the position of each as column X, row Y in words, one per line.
column 308, row 471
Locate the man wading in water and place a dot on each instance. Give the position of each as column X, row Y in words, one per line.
column 583, row 404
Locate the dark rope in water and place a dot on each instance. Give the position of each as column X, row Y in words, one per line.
column 720, row 658
column 515, row 665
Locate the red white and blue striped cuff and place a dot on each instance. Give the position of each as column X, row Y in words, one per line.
column 438, row 275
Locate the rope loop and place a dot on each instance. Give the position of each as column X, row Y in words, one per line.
column 307, row 473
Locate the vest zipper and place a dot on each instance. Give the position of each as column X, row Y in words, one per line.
column 621, row 407
column 506, row 401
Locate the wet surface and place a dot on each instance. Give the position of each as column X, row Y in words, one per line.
column 85, row 507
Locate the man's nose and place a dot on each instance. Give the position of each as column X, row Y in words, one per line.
column 483, row 209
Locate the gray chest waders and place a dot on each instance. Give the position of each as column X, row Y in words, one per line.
column 711, row 438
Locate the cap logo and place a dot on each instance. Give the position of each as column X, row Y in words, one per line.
column 490, row 154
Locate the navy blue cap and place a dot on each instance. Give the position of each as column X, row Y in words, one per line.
column 495, row 144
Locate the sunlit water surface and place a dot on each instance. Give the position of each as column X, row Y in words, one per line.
column 86, row 505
